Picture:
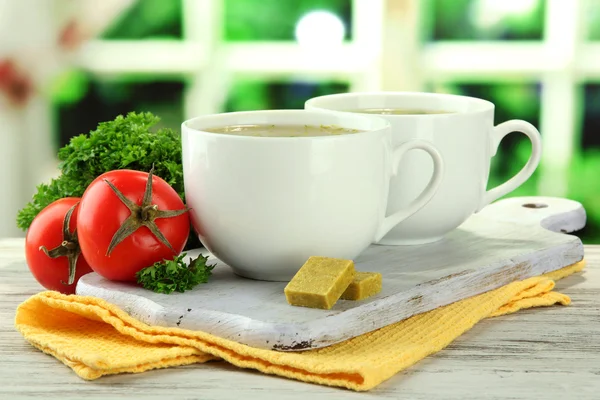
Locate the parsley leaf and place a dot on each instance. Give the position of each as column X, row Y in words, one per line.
column 168, row 276
column 127, row 142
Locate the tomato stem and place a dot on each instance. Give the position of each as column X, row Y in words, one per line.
column 69, row 247
column 141, row 215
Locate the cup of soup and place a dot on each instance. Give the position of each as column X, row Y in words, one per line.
column 462, row 129
column 269, row 189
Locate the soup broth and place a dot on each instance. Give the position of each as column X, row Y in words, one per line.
column 398, row 111
column 282, row 130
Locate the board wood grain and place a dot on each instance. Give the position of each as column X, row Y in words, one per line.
column 510, row 240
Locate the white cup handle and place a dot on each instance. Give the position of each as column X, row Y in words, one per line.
column 525, row 173
column 425, row 196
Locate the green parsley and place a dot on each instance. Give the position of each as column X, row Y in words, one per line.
column 169, row 276
column 124, row 143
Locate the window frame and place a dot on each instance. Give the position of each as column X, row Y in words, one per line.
column 392, row 56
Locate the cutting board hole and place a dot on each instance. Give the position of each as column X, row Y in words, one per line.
column 535, row 205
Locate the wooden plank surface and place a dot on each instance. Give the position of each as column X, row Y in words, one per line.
column 549, row 353
column 503, row 243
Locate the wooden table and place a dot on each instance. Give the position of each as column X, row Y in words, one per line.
column 550, row 353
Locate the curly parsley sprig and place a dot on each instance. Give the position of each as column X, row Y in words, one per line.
column 130, row 141
column 168, row 276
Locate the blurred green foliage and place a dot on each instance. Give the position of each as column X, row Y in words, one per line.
column 584, row 172
column 106, row 98
column 82, row 100
column 591, row 116
column 485, row 19
column 275, row 20
column 584, row 186
column 593, row 20
column 69, row 87
column 255, row 95
column 148, row 19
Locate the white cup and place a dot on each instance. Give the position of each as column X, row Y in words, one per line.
column 467, row 139
column 264, row 205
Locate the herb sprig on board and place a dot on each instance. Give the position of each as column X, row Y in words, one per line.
column 173, row 275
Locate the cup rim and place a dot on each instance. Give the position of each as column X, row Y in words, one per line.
column 381, row 125
column 482, row 105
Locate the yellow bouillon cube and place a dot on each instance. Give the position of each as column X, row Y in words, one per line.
column 320, row 282
column 365, row 284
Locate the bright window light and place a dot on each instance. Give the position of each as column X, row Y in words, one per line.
column 320, row 29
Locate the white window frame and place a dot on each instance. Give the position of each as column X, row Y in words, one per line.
column 386, row 53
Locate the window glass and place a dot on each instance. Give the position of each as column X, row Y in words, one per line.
column 148, row 19
column 276, row 20
column 485, row 19
column 104, row 99
column 260, row 95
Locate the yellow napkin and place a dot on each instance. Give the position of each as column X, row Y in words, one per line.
column 96, row 338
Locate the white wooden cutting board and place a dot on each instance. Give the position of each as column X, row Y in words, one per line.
column 509, row 240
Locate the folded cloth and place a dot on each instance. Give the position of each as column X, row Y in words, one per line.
column 96, row 338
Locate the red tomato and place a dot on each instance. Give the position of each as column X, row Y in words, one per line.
column 103, row 215
column 47, row 230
